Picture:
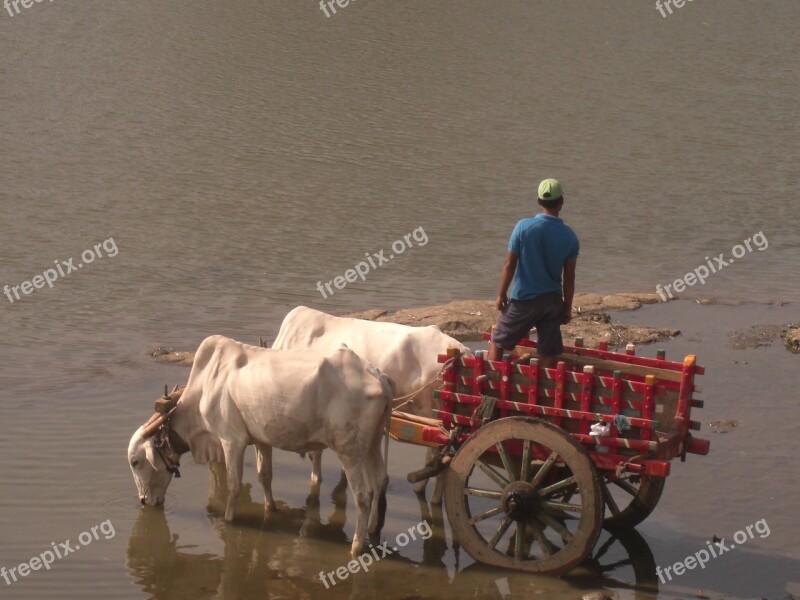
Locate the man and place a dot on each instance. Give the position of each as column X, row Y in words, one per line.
column 540, row 249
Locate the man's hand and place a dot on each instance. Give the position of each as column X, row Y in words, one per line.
column 566, row 317
column 502, row 302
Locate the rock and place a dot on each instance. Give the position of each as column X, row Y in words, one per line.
column 754, row 336
column 597, row 596
column 723, row 426
column 467, row 320
column 791, row 338
column 168, row 355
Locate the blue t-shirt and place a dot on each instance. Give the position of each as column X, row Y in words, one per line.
column 543, row 243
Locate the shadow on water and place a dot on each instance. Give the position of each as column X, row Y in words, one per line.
column 283, row 553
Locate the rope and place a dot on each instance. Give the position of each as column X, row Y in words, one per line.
column 409, row 397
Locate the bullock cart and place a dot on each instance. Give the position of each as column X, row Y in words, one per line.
column 540, row 459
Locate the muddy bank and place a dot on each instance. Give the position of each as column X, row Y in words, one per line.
column 757, row 336
column 467, row 320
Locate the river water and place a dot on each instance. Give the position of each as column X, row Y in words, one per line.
column 209, row 163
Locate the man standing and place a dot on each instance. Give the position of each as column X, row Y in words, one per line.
column 540, row 249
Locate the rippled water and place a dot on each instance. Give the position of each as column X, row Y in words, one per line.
column 238, row 153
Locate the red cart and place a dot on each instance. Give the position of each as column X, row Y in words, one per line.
column 538, row 460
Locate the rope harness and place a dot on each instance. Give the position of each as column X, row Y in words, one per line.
column 403, row 400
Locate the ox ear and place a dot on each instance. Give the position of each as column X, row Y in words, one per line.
column 150, row 453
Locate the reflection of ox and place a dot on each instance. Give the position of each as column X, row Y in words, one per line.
column 407, row 355
column 299, row 401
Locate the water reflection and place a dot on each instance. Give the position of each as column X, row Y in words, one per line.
column 281, row 555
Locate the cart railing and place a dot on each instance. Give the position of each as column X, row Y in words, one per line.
column 645, row 402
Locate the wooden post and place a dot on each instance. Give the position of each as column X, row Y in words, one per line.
column 586, row 395
column 648, row 406
column 616, row 400
column 533, row 388
column 561, row 375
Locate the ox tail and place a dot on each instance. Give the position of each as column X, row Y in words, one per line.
column 388, row 390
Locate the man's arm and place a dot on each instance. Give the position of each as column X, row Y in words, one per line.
column 509, row 267
column 569, row 289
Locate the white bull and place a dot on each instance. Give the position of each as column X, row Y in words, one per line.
column 296, row 400
column 407, row 355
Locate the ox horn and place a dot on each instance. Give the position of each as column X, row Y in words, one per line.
column 152, row 425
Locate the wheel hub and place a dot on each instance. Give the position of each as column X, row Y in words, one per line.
column 520, row 500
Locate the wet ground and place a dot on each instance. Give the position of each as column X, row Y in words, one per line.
column 186, row 550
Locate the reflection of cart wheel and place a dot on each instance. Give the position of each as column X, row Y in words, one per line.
column 630, row 499
column 522, row 494
column 616, row 554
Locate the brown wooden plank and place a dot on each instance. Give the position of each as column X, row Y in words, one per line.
column 613, row 365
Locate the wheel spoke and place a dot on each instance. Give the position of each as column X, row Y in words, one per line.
column 489, row 513
column 610, row 502
column 500, row 531
column 604, row 548
column 559, row 485
column 501, row 450
column 565, row 534
column 493, row 475
column 526, row 460
column 468, row 491
column 562, row 506
column 538, row 533
column 518, row 541
column 632, row 490
column 544, row 470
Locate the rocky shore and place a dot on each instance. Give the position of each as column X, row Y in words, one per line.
column 466, row 320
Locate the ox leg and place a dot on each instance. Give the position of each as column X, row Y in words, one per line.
column 378, row 478
column 234, row 462
column 362, row 495
column 438, row 489
column 419, row 487
column 316, row 471
column 264, row 468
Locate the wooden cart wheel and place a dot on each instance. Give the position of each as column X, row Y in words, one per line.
column 506, row 497
column 629, row 499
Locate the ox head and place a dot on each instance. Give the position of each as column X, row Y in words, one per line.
column 152, row 453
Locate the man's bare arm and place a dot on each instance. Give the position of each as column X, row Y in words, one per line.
column 509, row 267
column 569, row 289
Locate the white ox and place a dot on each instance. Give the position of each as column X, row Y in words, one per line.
column 296, row 400
column 407, row 355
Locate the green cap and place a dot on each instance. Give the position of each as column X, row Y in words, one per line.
column 550, row 189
